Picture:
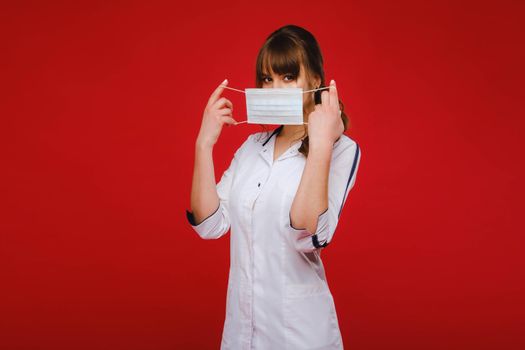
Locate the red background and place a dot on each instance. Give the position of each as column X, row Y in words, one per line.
column 100, row 106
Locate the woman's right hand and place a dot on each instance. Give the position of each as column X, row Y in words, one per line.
column 218, row 112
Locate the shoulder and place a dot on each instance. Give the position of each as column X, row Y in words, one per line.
column 345, row 144
column 253, row 140
column 260, row 137
column 346, row 151
column 257, row 138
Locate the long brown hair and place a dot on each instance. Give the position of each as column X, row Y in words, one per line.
column 284, row 52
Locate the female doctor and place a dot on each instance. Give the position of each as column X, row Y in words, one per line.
column 282, row 196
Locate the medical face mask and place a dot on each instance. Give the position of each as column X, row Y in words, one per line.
column 275, row 106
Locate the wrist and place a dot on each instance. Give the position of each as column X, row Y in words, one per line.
column 201, row 145
column 322, row 145
column 321, row 150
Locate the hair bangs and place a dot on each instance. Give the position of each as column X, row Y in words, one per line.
column 280, row 56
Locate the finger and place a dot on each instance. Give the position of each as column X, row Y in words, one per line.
column 325, row 98
column 221, row 102
column 218, row 91
column 228, row 120
column 334, row 99
column 225, row 111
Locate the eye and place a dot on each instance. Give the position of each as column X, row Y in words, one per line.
column 288, row 77
column 266, row 79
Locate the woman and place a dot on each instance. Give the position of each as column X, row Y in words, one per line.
column 282, row 196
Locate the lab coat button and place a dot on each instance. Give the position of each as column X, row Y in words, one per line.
column 259, row 184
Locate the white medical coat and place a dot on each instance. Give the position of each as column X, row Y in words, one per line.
column 278, row 296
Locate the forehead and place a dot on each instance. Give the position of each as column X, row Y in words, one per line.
column 269, row 71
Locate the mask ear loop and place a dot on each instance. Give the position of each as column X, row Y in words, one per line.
column 245, row 121
column 321, row 88
column 227, row 87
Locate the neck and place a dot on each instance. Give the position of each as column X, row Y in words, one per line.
column 291, row 131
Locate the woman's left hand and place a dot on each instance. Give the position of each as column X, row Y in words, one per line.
column 324, row 122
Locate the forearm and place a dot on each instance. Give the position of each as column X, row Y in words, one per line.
column 204, row 197
column 311, row 198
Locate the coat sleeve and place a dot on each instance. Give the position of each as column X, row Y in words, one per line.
column 342, row 177
column 218, row 223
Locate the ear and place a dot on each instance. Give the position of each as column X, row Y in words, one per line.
column 317, row 82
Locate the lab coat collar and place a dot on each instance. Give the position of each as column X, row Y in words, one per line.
column 269, row 145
